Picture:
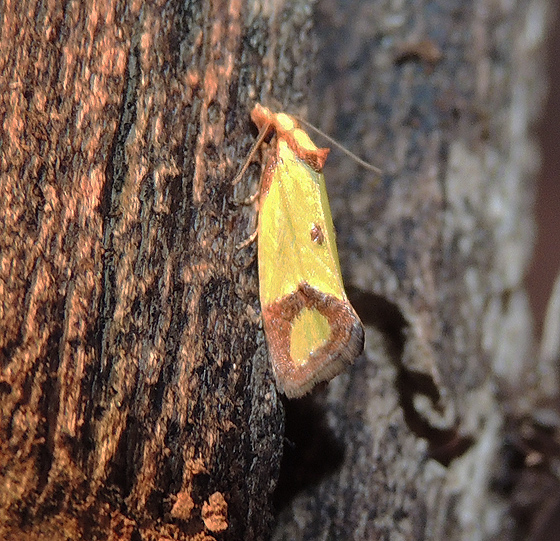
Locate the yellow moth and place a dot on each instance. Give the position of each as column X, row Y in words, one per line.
column 311, row 329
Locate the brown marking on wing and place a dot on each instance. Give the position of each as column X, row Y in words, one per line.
column 317, row 234
column 268, row 171
column 345, row 344
column 314, row 158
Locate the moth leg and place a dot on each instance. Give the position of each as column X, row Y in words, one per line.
column 251, row 199
column 248, row 241
column 256, row 145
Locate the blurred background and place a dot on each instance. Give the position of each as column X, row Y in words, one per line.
column 543, row 512
column 546, row 258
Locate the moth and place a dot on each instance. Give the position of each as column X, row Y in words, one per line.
column 312, row 330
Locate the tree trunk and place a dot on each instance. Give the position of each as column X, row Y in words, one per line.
column 137, row 400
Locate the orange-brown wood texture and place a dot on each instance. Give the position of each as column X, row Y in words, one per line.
column 135, row 394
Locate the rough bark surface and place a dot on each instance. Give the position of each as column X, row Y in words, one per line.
column 136, row 397
column 135, row 393
column 441, row 96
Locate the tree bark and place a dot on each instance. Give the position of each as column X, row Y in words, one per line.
column 137, row 401
column 442, row 97
column 136, row 396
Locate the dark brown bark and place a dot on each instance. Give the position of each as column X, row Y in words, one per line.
column 136, row 397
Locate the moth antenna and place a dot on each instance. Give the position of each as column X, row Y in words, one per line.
column 262, row 134
column 335, row 143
